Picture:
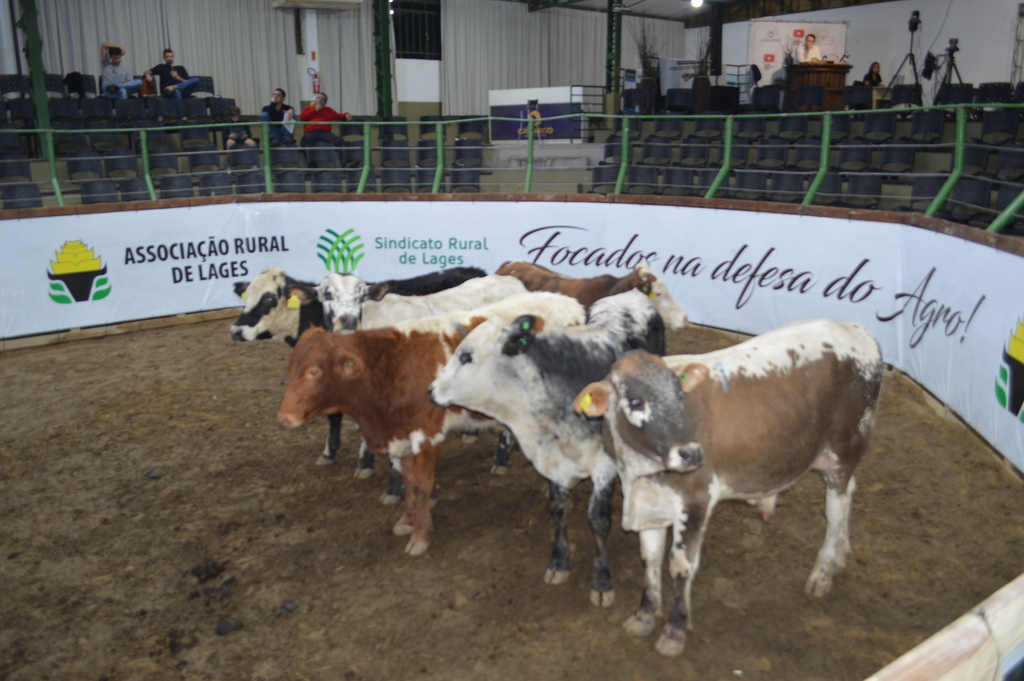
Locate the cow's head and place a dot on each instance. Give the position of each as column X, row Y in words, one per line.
column 272, row 302
column 483, row 373
column 321, row 370
column 645, row 426
column 654, row 287
column 343, row 296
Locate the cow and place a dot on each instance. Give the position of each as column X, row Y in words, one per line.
column 380, row 378
column 348, row 306
column 278, row 307
column 746, row 422
column 588, row 291
column 541, row 368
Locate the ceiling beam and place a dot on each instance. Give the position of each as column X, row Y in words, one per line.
column 536, row 5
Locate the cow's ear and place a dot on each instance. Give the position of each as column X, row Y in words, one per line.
column 378, row 291
column 692, row 376
column 593, row 400
column 303, row 293
column 240, row 288
column 349, row 366
column 521, row 335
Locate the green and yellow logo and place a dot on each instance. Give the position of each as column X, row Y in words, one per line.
column 340, row 253
column 76, row 275
column 1010, row 382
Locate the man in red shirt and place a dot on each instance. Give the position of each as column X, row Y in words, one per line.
column 318, row 112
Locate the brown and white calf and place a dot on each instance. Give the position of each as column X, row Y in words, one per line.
column 280, row 307
column 745, row 422
column 590, row 290
column 380, row 378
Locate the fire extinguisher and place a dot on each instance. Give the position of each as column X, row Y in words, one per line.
column 316, row 79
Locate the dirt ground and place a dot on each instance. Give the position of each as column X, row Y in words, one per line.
column 129, row 462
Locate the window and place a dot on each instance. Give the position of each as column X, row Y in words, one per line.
column 417, row 25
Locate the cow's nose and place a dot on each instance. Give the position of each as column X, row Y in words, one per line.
column 286, row 420
column 685, row 458
column 430, row 396
column 347, row 322
column 236, row 334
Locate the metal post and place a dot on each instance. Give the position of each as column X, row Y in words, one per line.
column 382, row 57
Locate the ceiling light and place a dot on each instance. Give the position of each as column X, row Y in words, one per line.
column 696, row 3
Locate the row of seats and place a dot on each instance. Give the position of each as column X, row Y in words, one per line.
column 971, row 201
column 388, row 180
column 56, row 85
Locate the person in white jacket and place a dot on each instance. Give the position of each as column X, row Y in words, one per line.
column 808, row 53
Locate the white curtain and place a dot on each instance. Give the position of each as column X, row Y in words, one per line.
column 346, row 59
column 245, row 45
column 495, row 45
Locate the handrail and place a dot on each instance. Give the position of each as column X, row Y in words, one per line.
column 49, row 137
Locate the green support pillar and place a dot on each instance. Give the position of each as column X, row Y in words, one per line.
column 614, row 54
column 382, row 52
column 29, row 23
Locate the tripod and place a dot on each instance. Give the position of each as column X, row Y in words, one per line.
column 951, row 68
column 911, row 59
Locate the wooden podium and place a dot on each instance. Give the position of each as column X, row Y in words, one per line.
column 830, row 76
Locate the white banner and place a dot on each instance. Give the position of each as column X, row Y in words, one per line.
column 770, row 41
column 947, row 312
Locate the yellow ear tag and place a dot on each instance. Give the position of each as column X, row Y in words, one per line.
column 294, row 303
column 244, row 294
column 585, row 402
column 651, row 294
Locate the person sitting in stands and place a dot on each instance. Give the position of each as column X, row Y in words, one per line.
column 238, row 132
column 174, row 80
column 319, row 112
column 873, row 78
column 115, row 82
column 808, row 53
column 278, row 112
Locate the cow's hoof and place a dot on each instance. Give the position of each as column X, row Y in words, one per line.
column 602, row 598
column 401, row 529
column 324, row 460
column 552, row 576
column 499, row 470
column 389, row 499
column 416, row 548
column 363, row 473
column 637, row 626
column 819, row 583
column 669, row 646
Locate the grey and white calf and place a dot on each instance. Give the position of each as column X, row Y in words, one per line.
column 745, row 422
column 349, row 305
column 539, row 372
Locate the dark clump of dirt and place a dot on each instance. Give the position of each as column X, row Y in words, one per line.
column 241, row 559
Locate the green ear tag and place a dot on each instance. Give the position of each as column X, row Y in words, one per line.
column 526, row 326
column 682, row 377
column 350, row 364
column 523, row 341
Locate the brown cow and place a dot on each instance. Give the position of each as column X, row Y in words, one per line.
column 380, row 378
column 745, row 422
column 588, row 291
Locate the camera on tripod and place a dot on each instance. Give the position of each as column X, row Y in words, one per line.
column 954, row 46
column 915, row 21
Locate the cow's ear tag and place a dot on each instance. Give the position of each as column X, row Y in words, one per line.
column 294, row 303
column 244, row 294
column 585, row 402
column 526, row 325
column 350, row 364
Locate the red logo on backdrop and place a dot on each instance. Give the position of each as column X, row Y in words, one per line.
column 798, row 33
column 769, row 57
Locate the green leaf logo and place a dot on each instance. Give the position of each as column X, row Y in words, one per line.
column 340, row 253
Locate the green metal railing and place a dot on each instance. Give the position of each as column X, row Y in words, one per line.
column 369, row 131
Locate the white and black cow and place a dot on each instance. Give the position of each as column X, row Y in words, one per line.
column 745, row 422
column 540, row 371
column 278, row 307
column 347, row 306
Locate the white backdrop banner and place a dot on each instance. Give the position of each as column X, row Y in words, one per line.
column 946, row 311
column 771, row 40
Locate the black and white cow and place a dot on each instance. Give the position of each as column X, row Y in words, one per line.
column 540, row 371
column 348, row 305
column 279, row 307
column 745, row 422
